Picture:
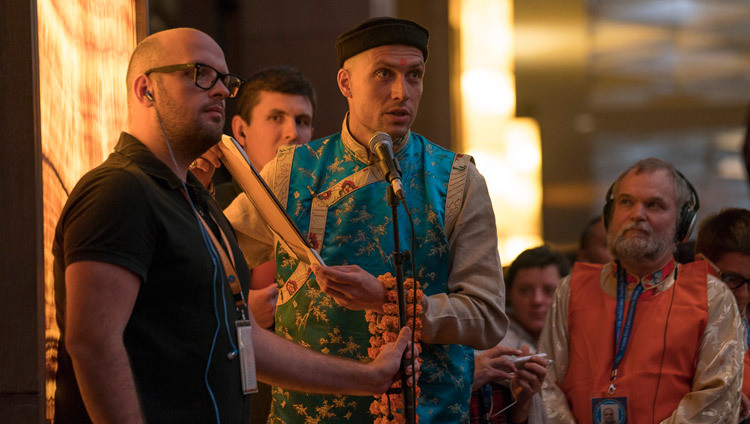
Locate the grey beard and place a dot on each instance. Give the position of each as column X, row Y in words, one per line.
column 637, row 249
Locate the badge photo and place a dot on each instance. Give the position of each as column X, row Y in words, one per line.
column 609, row 410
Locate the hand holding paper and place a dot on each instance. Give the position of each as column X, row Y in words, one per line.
column 351, row 287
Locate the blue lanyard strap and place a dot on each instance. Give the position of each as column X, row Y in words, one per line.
column 622, row 332
column 747, row 331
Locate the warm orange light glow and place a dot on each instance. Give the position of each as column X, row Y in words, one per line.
column 511, row 165
column 488, row 92
column 507, row 149
column 84, row 47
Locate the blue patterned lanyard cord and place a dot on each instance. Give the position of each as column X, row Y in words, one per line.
column 747, row 331
column 622, row 332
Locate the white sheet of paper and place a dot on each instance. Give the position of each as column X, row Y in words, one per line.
column 265, row 202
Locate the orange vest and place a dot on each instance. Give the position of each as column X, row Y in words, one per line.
column 591, row 334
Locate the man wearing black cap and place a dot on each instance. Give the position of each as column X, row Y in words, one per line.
column 336, row 195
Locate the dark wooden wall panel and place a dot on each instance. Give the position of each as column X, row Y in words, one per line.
column 21, row 244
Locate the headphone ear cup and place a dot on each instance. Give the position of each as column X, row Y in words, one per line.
column 607, row 209
column 605, row 214
column 685, row 223
column 686, row 218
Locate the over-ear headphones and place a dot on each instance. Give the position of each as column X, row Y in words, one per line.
column 149, row 96
column 685, row 218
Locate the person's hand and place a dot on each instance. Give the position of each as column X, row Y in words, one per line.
column 530, row 376
column 203, row 168
column 493, row 365
column 744, row 407
column 526, row 383
column 351, row 287
column 385, row 368
column 262, row 303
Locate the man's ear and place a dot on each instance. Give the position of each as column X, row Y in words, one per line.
column 239, row 128
column 345, row 82
column 141, row 88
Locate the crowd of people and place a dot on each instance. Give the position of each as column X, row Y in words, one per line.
column 170, row 285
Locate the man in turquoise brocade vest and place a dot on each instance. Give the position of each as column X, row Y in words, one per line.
column 336, row 195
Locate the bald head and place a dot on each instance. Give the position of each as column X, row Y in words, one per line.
column 144, row 57
column 169, row 47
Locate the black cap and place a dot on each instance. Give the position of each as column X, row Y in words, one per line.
column 377, row 32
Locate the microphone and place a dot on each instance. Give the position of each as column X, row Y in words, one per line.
column 381, row 146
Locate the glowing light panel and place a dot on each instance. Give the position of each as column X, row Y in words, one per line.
column 507, row 149
column 84, row 47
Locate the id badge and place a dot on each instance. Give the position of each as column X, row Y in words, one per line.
column 609, row 409
column 247, row 356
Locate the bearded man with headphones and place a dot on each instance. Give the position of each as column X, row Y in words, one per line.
column 643, row 336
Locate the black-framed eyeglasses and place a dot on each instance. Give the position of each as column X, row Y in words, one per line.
column 734, row 281
column 205, row 76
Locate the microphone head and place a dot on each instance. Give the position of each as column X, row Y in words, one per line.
column 379, row 138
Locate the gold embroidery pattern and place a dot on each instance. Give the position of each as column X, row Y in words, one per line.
column 283, row 173
column 289, row 288
column 346, row 347
column 316, row 153
column 321, row 203
column 370, row 241
column 318, row 301
column 455, row 194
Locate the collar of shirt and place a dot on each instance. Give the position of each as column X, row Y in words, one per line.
column 712, row 269
column 659, row 280
column 362, row 153
column 133, row 149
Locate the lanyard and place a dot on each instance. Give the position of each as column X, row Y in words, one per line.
column 622, row 332
column 747, row 331
column 227, row 263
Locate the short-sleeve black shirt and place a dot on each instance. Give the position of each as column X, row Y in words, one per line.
column 130, row 212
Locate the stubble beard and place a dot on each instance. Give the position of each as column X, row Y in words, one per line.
column 399, row 131
column 188, row 136
column 639, row 249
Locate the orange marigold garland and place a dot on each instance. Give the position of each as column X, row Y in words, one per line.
column 384, row 329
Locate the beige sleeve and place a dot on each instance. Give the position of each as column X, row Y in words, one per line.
column 554, row 342
column 715, row 395
column 253, row 235
column 472, row 311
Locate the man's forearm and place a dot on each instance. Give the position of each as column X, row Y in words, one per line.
column 314, row 372
column 311, row 371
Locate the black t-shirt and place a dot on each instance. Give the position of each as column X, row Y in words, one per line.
column 130, row 212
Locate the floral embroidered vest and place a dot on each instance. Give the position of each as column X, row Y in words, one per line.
column 339, row 202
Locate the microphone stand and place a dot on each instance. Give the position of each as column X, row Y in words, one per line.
column 410, row 415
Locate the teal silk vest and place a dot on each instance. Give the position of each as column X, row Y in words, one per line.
column 340, row 205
